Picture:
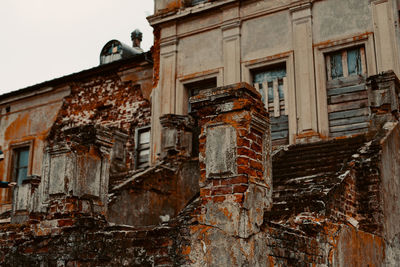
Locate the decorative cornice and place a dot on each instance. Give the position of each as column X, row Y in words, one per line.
column 301, row 7
column 165, row 17
column 231, row 24
column 301, row 13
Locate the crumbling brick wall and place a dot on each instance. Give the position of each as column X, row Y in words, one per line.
column 107, row 101
column 86, row 242
column 226, row 224
column 369, row 188
column 343, row 200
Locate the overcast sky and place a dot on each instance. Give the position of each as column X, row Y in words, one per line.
column 45, row 39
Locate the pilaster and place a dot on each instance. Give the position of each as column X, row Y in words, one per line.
column 231, row 43
column 304, row 75
column 386, row 43
column 168, row 57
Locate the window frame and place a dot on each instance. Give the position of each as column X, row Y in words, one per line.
column 270, row 68
column 11, row 162
column 320, row 50
column 138, row 132
column 344, row 60
column 16, row 168
column 287, row 58
column 200, row 84
column 182, row 97
column 13, row 158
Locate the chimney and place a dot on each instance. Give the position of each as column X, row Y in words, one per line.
column 136, row 37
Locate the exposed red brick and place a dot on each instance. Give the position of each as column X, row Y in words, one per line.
column 242, row 170
column 222, row 190
column 256, row 165
column 218, row 199
column 256, row 147
column 235, row 180
column 239, row 188
column 65, row 222
column 246, row 152
column 243, row 161
column 238, row 198
column 243, row 142
column 205, row 192
column 216, row 182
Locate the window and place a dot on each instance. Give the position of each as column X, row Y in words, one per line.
column 20, row 164
column 271, row 82
column 347, row 98
column 267, row 78
column 142, row 147
column 345, row 63
column 195, row 88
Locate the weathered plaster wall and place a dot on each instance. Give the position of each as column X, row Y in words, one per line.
column 266, row 36
column 392, row 251
column 370, row 209
column 358, row 248
column 154, row 197
column 250, row 7
column 275, row 246
column 229, row 39
column 200, row 52
column 27, row 121
column 335, row 19
column 190, row 25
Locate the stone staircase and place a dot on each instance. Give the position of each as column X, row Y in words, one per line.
column 305, row 173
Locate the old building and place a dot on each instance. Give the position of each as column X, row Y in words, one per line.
column 254, row 133
column 114, row 95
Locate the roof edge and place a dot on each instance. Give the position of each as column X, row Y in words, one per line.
column 52, row 84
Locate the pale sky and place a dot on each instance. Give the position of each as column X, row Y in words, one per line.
column 45, row 39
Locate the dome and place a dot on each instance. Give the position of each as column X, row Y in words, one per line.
column 115, row 50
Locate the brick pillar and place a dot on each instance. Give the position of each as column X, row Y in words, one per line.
column 383, row 97
column 234, row 155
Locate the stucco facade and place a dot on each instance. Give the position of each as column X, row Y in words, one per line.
column 230, row 40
